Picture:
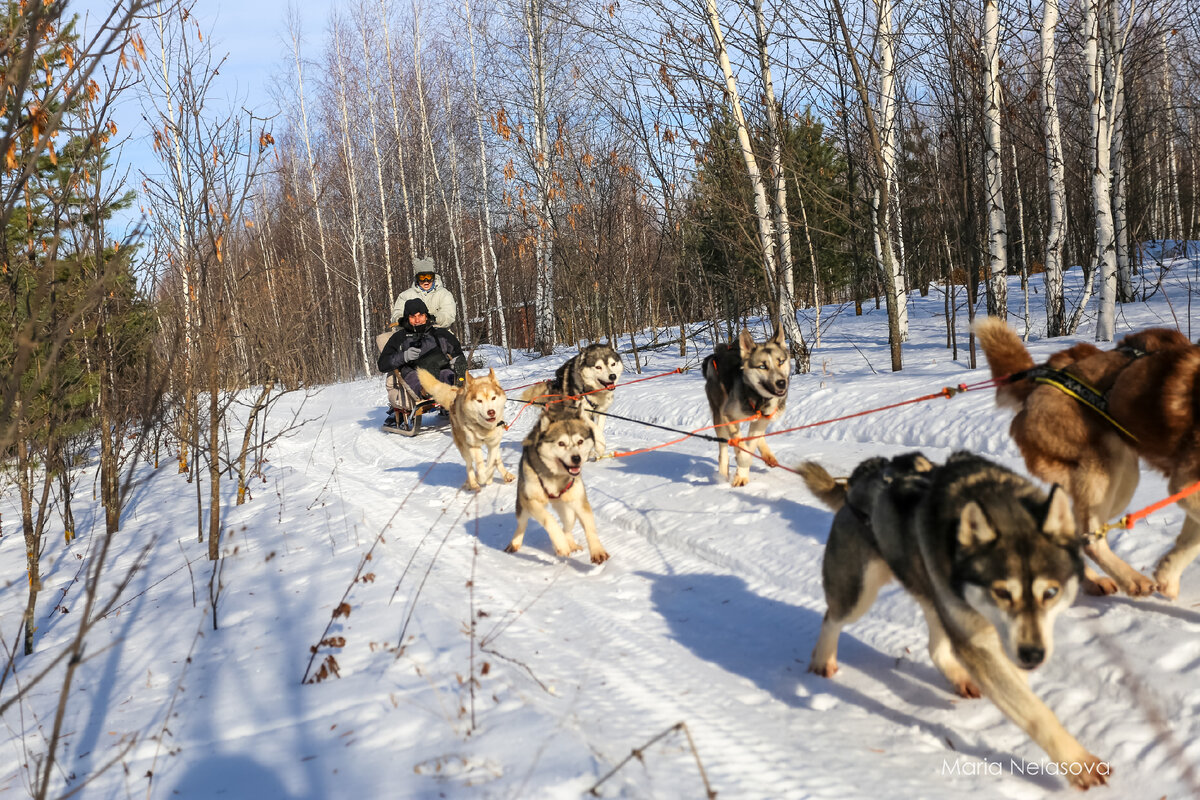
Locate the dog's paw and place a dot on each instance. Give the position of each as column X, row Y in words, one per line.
column 1099, row 586
column 968, row 688
column 739, row 480
column 472, row 486
column 512, row 548
column 1138, row 585
column 509, row 477
column 826, row 670
column 600, row 556
column 1087, row 771
column 770, row 460
column 1167, row 580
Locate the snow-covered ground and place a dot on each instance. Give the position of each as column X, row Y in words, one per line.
column 463, row 671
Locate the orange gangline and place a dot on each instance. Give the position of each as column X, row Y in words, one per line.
column 562, row 398
column 1128, row 520
column 946, row 392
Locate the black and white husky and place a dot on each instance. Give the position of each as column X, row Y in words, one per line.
column 592, row 377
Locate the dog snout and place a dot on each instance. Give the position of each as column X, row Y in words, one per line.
column 1031, row 655
column 576, row 459
column 491, row 414
column 612, row 377
column 780, row 385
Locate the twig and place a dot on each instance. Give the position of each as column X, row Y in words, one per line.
column 639, row 752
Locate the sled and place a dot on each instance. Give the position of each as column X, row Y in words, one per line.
column 408, row 420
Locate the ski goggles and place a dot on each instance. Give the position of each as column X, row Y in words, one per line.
column 424, row 276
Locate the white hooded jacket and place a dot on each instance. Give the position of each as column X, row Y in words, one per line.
column 438, row 299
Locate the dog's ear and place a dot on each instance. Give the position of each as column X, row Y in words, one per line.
column 745, row 342
column 467, row 379
column 492, row 374
column 974, row 529
column 544, row 421
column 1059, row 523
column 777, row 336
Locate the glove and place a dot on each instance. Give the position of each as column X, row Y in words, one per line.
column 412, row 353
column 460, row 369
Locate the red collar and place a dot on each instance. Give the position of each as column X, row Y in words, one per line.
column 565, row 489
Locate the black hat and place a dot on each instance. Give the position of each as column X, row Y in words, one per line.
column 415, row 306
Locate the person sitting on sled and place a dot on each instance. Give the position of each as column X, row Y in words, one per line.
column 419, row 343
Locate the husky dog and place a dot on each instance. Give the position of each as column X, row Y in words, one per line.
column 742, row 381
column 1066, row 442
column 988, row 557
column 551, row 462
column 476, row 419
column 591, row 376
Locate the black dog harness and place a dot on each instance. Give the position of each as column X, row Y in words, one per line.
column 1076, row 387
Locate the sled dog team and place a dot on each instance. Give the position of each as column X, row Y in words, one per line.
column 989, row 557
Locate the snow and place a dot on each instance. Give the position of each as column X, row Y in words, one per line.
column 705, row 615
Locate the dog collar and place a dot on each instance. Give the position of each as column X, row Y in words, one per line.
column 565, row 489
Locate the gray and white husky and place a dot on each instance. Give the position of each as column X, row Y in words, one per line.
column 745, row 381
column 988, row 557
column 551, row 462
column 591, row 376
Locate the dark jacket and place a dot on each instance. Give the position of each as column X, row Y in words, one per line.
column 427, row 347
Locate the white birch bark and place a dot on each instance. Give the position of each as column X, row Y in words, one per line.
column 1168, row 127
column 385, row 222
column 310, row 162
column 1114, row 39
column 895, row 300
column 1105, row 269
column 1056, row 229
column 766, row 236
column 1021, row 237
column 487, row 248
column 362, row 289
column 456, row 215
column 993, row 166
column 886, row 255
column 545, row 335
column 397, row 128
column 427, row 135
column 783, row 228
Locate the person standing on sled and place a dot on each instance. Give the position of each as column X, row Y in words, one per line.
column 419, row 343
column 427, row 287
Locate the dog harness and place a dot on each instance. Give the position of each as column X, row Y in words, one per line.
column 550, row 494
column 1076, row 387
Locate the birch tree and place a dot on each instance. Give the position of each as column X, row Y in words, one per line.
column 357, row 256
column 785, row 290
column 487, row 248
column 886, row 253
column 1105, row 264
column 1056, row 229
column 886, row 258
column 534, row 22
column 993, row 164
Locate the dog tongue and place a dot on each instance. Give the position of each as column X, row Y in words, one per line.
column 574, row 470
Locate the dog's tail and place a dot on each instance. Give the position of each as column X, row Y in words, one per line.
column 536, row 391
column 443, row 393
column 827, row 489
column 1006, row 355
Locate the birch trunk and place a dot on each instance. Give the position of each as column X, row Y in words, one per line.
column 766, row 236
column 1168, row 122
column 336, row 360
column 544, row 332
column 993, row 166
column 892, row 267
column 397, row 129
column 1114, row 39
column 1056, row 230
column 885, row 254
column 487, row 246
column 786, row 287
column 457, row 216
column 385, row 225
column 361, row 287
column 1105, row 253
column 1021, row 236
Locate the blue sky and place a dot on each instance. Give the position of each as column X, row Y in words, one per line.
column 253, row 37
